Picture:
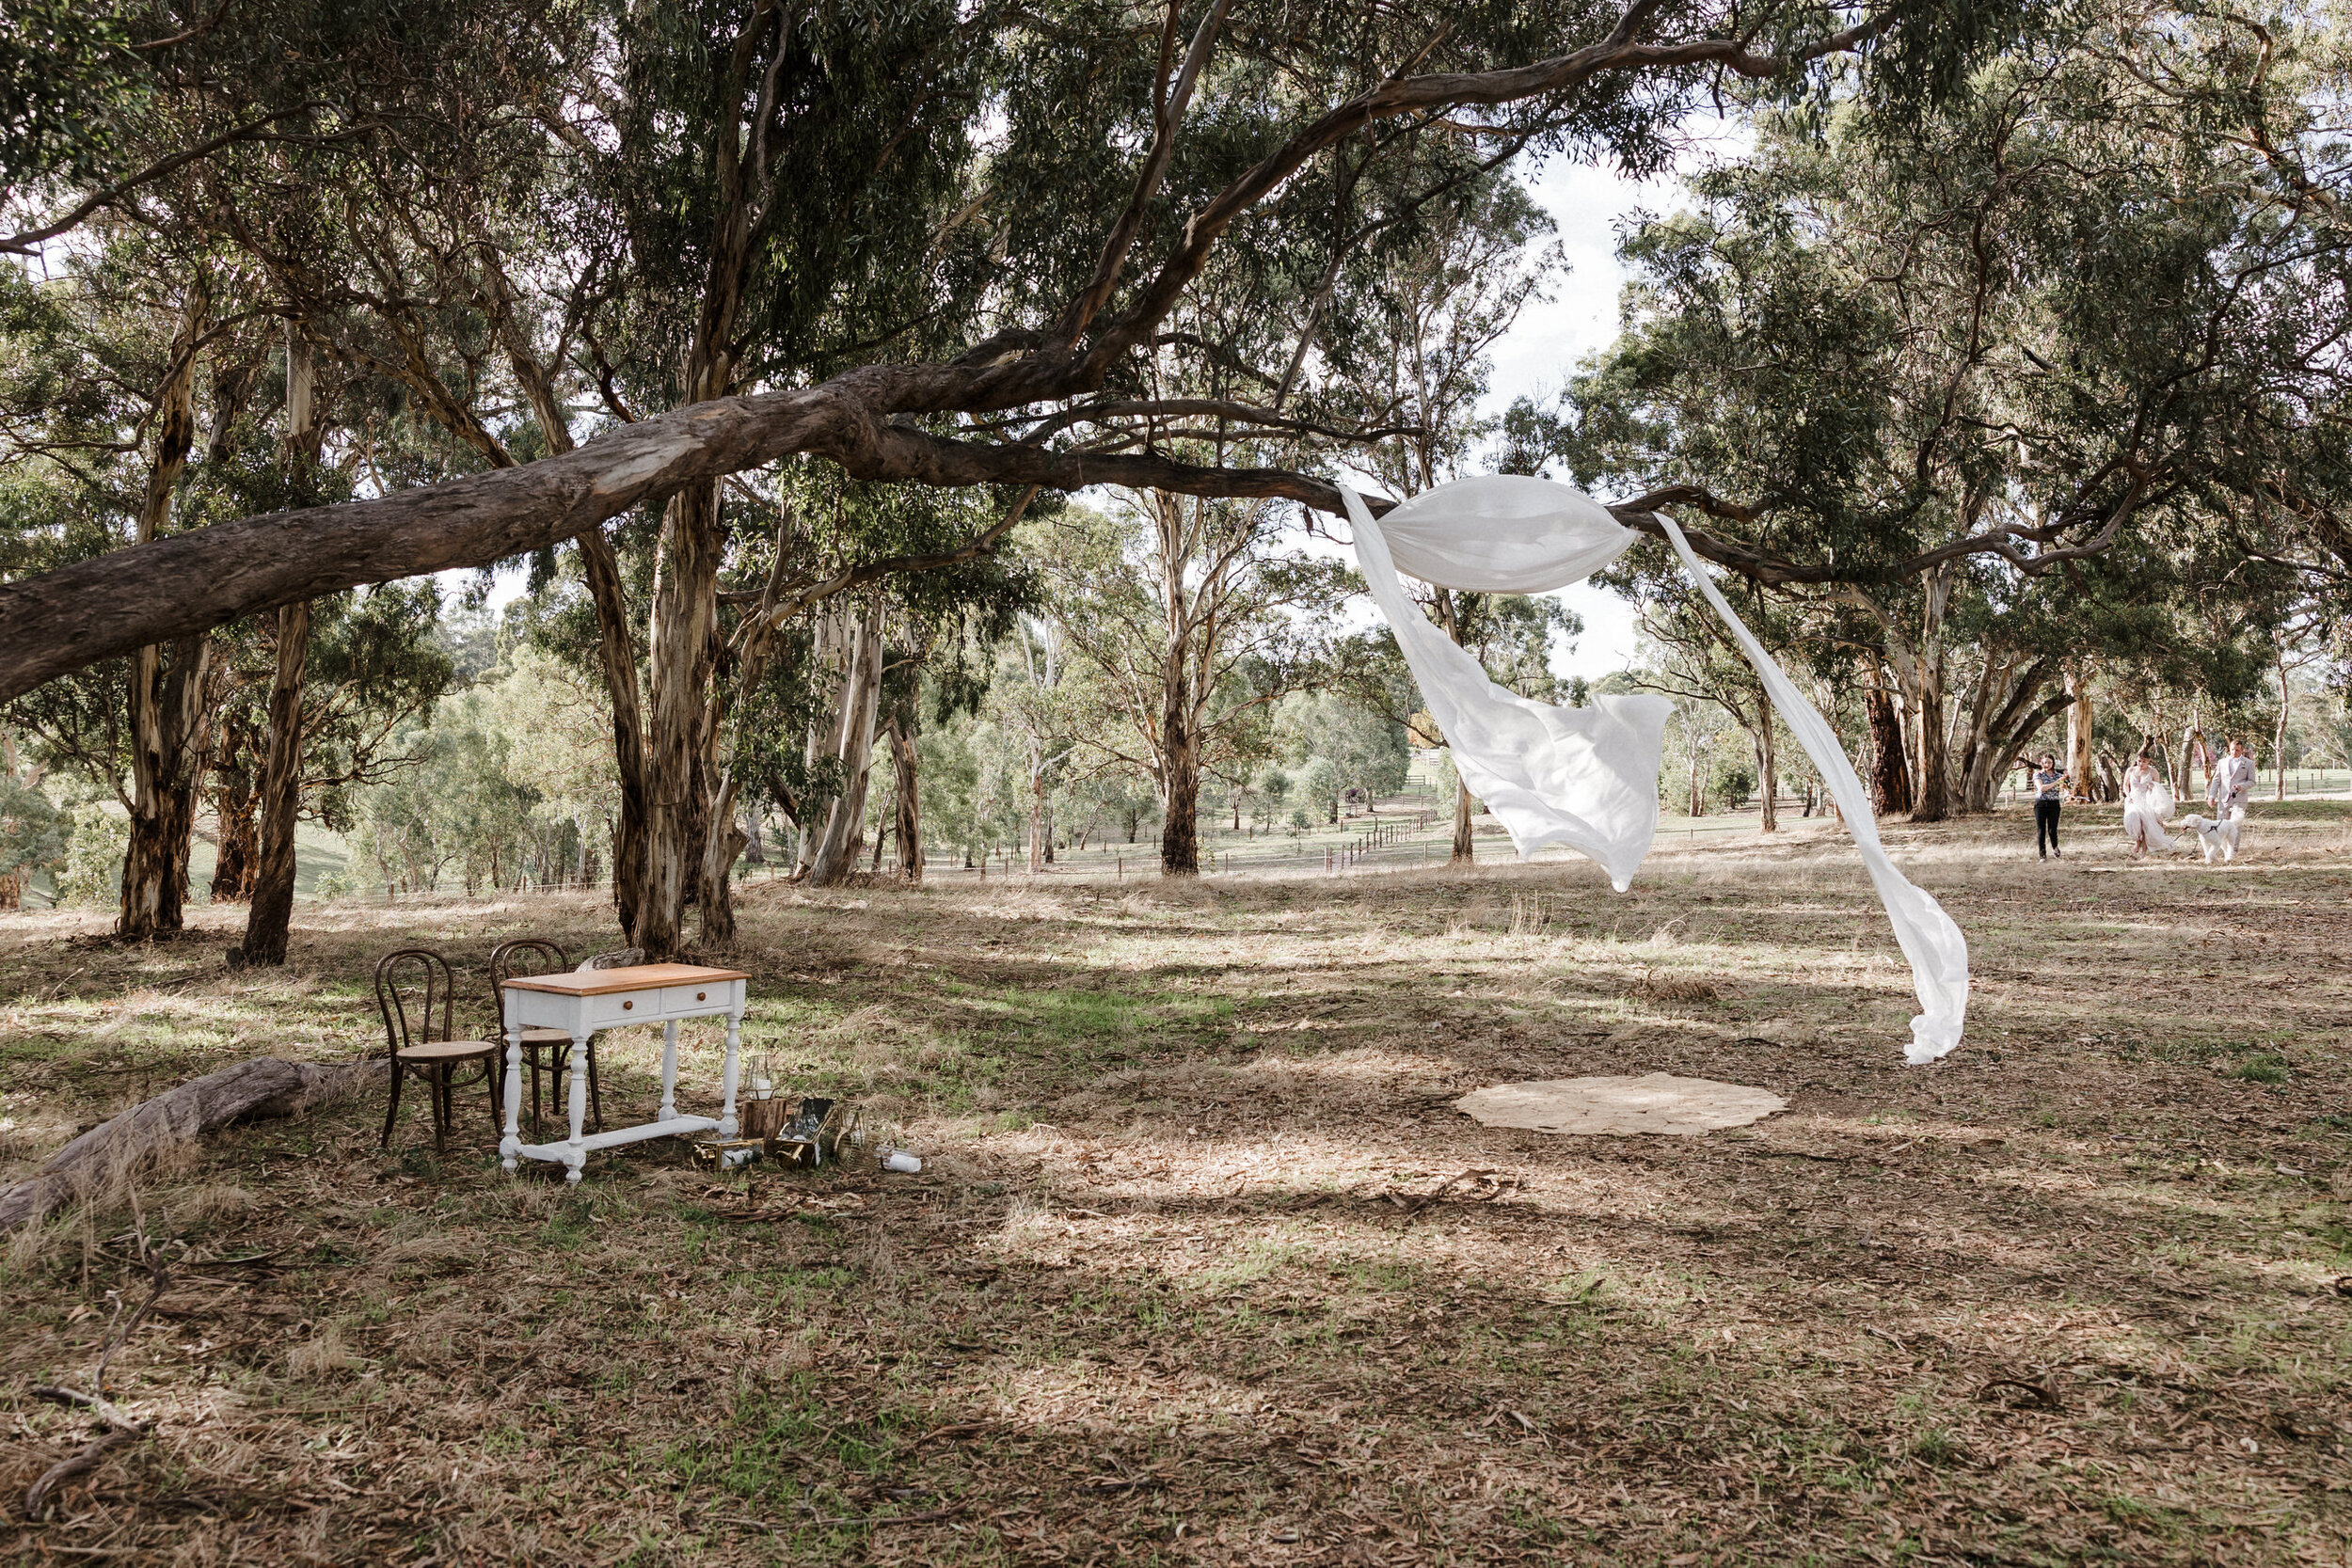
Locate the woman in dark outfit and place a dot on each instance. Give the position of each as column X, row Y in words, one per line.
column 2049, row 785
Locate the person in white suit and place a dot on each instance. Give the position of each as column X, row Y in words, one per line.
column 2233, row 783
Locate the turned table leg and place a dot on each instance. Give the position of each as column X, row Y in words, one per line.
column 576, row 1157
column 512, row 1140
column 727, row 1124
column 669, row 1071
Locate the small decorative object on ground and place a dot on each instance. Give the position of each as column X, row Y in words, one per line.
column 763, row 1114
column 899, row 1160
column 814, row 1134
column 712, row 1152
column 1654, row 1102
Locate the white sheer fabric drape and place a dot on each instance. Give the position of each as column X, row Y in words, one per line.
column 1588, row 777
column 1583, row 777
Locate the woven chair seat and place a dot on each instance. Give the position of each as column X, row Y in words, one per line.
column 445, row 1050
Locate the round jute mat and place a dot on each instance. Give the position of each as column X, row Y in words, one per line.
column 1654, row 1102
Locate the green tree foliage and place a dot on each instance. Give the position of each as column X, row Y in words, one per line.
column 1340, row 745
column 2003, row 389
column 32, row 832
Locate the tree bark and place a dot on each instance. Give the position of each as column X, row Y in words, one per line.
column 234, row 793
column 1890, row 775
column 722, row 845
column 1036, row 810
column 266, row 927
column 170, row 686
column 853, row 743
column 2081, row 762
column 1932, row 801
column 1767, row 765
column 616, row 657
column 1180, row 788
column 683, row 644
column 2279, row 746
column 905, row 761
column 1182, row 707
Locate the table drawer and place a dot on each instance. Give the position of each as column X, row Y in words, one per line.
column 606, row 1011
column 697, row 999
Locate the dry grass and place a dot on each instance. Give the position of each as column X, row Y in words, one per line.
column 1167, row 1291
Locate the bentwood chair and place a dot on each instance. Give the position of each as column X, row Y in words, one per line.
column 408, row 985
column 548, row 1048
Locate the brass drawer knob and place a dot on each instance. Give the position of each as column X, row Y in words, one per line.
column 626, row 1005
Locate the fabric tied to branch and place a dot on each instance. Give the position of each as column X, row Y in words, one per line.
column 1588, row 777
column 1585, row 777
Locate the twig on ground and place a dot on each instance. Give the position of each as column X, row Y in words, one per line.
column 105, row 1409
column 1491, row 1187
column 159, row 1276
column 961, row 1429
column 126, row 1428
column 2041, row 1392
column 254, row 1262
column 37, row 1495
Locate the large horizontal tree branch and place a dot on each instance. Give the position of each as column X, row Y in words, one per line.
column 188, row 582
column 184, row 584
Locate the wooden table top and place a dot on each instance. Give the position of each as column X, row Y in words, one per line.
column 602, row 982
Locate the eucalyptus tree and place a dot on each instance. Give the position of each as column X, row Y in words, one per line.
column 99, row 398
column 952, row 251
column 1088, row 295
column 1445, row 290
column 1196, row 619
column 1935, row 372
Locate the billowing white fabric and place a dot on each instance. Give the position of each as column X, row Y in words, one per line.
column 1583, row 777
column 1503, row 533
column 1937, row 951
column 2146, row 805
column 1588, row 777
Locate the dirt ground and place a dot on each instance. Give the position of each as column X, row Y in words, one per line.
column 1195, row 1275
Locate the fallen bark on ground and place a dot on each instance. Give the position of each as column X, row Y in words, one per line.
column 118, row 1147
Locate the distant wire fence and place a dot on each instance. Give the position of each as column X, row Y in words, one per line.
column 1403, row 840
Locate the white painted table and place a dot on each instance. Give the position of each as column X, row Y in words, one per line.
column 586, row 1001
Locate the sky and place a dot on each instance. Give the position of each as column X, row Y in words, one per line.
column 1588, row 203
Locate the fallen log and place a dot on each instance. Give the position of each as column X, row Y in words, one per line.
column 115, row 1150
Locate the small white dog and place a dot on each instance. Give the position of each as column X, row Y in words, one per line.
column 2217, row 839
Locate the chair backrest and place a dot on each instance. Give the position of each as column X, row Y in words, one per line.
column 400, row 977
column 620, row 958
column 520, row 956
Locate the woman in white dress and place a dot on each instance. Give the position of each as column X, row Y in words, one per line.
column 2147, row 802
